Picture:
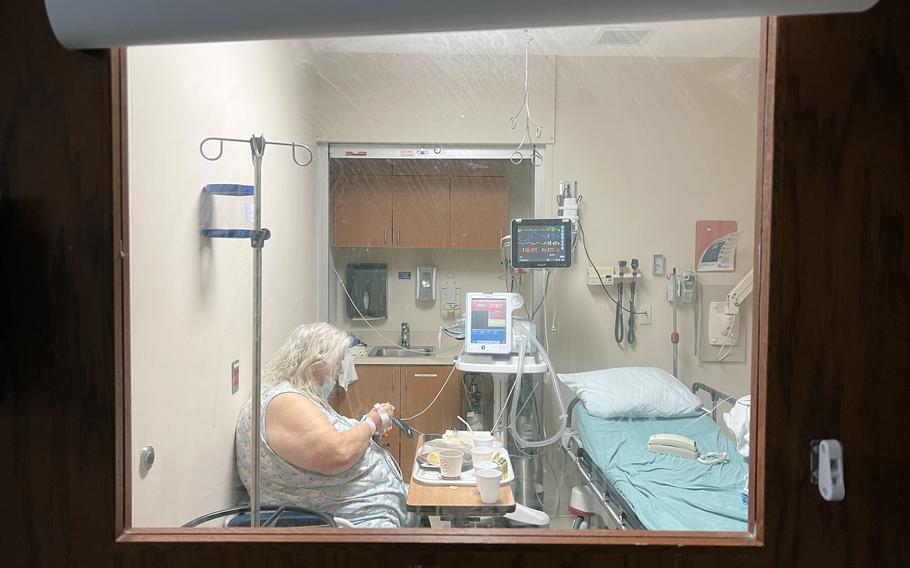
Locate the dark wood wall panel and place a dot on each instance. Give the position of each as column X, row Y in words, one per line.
column 837, row 361
column 56, row 293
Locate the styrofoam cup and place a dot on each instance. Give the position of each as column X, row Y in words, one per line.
column 482, row 453
column 488, row 484
column 450, row 463
column 485, row 465
column 483, row 440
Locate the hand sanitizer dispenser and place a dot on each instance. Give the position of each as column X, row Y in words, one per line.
column 426, row 283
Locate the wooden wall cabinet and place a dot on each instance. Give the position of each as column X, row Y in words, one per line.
column 384, row 211
column 420, row 204
column 410, row 388
column 479, row 212
column 361, row 211
column 419, row 384
column 420, row 211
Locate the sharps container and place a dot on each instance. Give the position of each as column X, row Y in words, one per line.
column 227, row 211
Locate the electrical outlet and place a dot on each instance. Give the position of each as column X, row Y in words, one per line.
column 643, row 314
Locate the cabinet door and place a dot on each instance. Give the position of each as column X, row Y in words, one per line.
column 421, row 211
column 361, row 211
column 419, row 385
column 375, row 383
column 479, row 212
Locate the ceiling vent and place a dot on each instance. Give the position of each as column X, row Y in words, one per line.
column 621, row 36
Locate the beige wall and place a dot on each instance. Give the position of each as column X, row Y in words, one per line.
column 655, row 144
column 191, row 297
column 474, row 271
column 433, row 99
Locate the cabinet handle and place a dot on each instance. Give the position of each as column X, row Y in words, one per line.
column 425, row 375
column 398, row 231
column 385, row 235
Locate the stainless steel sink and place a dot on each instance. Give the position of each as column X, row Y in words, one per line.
column 392, row 351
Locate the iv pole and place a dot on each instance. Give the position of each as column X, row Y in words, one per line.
column 257, row 241
column 674, row 334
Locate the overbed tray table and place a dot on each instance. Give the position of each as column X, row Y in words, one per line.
column 454, row 501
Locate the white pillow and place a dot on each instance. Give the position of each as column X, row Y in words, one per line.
column 632, row 392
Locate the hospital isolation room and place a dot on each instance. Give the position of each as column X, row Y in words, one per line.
column 445, row 282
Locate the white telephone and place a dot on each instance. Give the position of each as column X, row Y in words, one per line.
column 674, row 445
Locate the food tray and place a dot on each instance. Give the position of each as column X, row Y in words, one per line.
column 434, row 477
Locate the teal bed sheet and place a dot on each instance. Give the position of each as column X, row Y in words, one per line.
column 667, row 492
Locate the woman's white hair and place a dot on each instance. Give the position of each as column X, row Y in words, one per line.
column 310, row 346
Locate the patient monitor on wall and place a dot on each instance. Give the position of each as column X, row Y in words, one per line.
column 488, row 322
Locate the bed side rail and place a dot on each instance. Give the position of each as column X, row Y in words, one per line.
column 575, row 401
column 717, row 397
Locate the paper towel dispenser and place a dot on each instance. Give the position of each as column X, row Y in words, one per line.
column 366, row 283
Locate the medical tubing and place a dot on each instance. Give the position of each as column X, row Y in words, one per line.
column 630, row 336
column 546, row 286
column 515, row 384
column 504, row 409
column 707, row 413
column 617, row 320
column 562, row 426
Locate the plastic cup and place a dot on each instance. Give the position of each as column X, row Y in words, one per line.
column 483, row 440
column 450, row 463
column 486, row 465
column 488, row 484
column 481, row 454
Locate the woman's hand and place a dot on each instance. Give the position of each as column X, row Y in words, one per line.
column 375, row 416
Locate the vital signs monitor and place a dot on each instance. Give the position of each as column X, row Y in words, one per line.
column 542, row 243
column 488, row 322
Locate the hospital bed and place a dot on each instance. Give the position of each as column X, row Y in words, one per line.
column 642, row 490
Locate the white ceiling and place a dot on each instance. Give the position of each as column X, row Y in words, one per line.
column 695, row 38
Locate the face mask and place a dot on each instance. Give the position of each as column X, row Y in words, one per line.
column 326, row 389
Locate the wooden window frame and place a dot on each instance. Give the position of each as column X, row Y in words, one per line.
column 754, row 537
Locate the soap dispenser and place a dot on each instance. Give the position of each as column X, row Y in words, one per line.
column 426, row 283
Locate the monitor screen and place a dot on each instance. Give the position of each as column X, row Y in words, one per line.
column 488, row 321
column 541, row 243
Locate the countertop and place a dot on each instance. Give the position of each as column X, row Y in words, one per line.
column 446, row 359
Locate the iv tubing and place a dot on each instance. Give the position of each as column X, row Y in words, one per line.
column 517, row 395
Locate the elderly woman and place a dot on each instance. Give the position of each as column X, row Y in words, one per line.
column 310, row 455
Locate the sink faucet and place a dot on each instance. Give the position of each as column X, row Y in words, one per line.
column 405, row 335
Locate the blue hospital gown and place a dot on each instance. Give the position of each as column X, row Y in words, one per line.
column 370, row 493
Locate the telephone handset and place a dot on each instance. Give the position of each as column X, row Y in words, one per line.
column 674, row 445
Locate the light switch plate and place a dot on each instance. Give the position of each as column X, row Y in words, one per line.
column 235, row 376
column 658, row 265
